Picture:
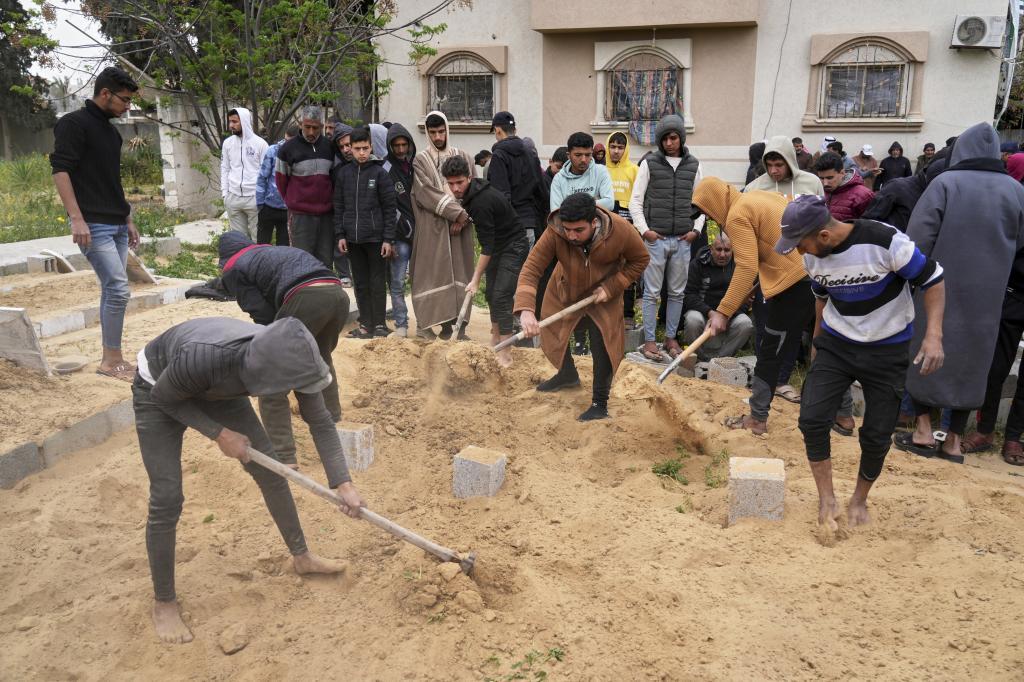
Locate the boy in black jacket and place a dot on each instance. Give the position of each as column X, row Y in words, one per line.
column 271, row 283
column 503, row 245
column 364, row 225
column 401, row 152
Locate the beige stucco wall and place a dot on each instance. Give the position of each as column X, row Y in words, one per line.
column 591, row 15
column 957, row 89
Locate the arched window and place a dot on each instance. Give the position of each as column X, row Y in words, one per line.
column 463, row 87
column 865, row 80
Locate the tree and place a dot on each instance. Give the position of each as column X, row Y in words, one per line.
column 22, row 94
column 271, row 56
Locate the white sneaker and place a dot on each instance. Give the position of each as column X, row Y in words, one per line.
column 400, row 332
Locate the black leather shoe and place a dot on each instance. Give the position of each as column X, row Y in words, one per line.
column 595, row 411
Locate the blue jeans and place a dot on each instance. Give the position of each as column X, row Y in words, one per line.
column 398, row 266
column 107, row 253
column 670, row 260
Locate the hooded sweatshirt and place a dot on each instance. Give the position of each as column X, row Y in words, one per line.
column 340, row 130
column 595, row 181
column 753, row 222
column 799, row 182
column 641, row 206
column 261, row 277
column 401, row 172
column 623, row 176
column 240, row 159
column 893, row 167
column 515, row 171
column 379, row 140
column 754, row 154
column 219, row 358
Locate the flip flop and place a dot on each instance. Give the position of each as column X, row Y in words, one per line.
column 787, row 392
column 673, row 353
column 904, row 441
column 652, row 355
column 975, row 443
column 841, row 430
column 1013, row 454
column 122, row 372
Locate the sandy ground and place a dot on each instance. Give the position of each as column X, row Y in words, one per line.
column 46, row 295
column 584, row 555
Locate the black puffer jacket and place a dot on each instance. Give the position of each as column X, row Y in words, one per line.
column 364, row 204
column 497, row 223
column 259, row 276
column 706, row 283
column 515, row 171
column 401, row 171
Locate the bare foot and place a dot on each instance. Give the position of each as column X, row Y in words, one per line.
column 169, row 626
column 828, row 532
column 504, row 357
column 311, row 563
column 857, row 514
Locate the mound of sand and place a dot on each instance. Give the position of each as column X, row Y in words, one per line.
column 590, row 566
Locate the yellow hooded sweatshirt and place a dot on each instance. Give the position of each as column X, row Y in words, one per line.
column 623, row 173
column 753, row 221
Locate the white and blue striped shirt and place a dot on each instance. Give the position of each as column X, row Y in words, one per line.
column 867, row 280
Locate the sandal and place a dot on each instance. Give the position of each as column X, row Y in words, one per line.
column 360, row 333
column 787, row 392
column 841, row 430
column 1013, row 453
column 673, row 350
column 976, row 442
column 124, row 371
column 652, row 355
column 904, row 441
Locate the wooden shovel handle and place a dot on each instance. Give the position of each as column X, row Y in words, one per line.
column 579, row 305
column 462, row 314
column 690, row 350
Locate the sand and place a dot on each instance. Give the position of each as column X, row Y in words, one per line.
column 584, row 555
column 46, row 295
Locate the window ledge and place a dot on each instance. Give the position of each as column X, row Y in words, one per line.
column 465, row 127
column 608, row 127
column 911, row 123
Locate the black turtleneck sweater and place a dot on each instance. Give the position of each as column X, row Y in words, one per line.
column 87, row 147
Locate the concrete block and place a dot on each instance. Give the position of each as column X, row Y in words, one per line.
column 61, row 324
column 748, row 361
column 634, row 338
column 357, row 444
column 757, row 488
column 19, row 341
column 166, row 247
column 87, row 433
column 40, row 264
column 14, row 269
column 18, row 463
column 477, row 472
column 79, row 261
column 62, row 264
column 858, row 399
column 728, row 371
column 700, row 370
column 91, row 316
column 121, row 416
column 144, row 302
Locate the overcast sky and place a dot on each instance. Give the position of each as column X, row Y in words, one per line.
column 74, row 51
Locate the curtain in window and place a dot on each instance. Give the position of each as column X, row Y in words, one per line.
column 647, row 96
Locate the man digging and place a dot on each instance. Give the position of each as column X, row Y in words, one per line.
column 200, row 374
column 596, row 252
column 862, row 273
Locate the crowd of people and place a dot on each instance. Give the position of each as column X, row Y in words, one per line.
column 867, row 260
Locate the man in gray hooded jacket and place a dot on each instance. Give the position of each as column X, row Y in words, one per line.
column 200, row 374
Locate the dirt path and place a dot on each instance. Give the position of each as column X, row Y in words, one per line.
column 46, row 296
column 584, row 554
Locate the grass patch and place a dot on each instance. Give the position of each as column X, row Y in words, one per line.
column 670, row 468
column 532, row 666
column 715, row 473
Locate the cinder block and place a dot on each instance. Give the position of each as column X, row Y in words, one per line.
column 176, row 294
column 61, row 324
column 634, row 338
column 91, row 316
column 168, row 247
column 87, row 433
column 14, row 269
column 144, row 302
column 121, row 416
column 748, row 361
column 858, row 399
column 700, row 370
column 728, row 371
column 357, row 444
column 18, row 463
column 757, row 488
column 38, row 264
column 477, row 472
column 79, row 261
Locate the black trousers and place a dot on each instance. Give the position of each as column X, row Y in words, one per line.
column 369, row 279
column 881, row 371
column 785, row 318
column 502, row 276
column 324, row 311
column 602, row 363
column 1011, row 328
column 313, row 234
column 269, row 221
column 788, row 361
column 160, row 438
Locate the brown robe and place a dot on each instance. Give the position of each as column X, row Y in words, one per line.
column 441, row 265
column 618, row 258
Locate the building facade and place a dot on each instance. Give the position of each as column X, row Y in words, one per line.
column 739, row 71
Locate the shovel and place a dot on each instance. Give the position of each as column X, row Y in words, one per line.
column 443, row 553
column 546, row 321
column 462, row 315
column 690, row 350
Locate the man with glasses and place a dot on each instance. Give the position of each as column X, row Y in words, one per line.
column 86, row 164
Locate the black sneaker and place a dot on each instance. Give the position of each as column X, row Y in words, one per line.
column 579, row 348
column 381, row 331
column 446, row 331
column 558, row 382
column 595, row 411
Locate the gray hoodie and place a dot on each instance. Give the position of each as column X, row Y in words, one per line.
column 799, row 182
column 595, row 181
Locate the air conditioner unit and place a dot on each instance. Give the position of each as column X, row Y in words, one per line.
column 982, row 32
